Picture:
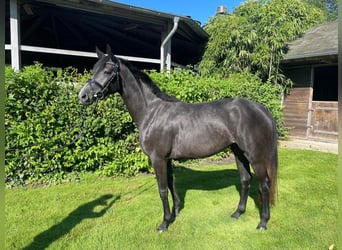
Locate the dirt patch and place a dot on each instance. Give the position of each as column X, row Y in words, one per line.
column 329, row 147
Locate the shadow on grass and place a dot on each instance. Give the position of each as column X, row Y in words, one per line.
column 85, row 211
column 190, row 179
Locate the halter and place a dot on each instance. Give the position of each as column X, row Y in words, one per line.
column 99, row 95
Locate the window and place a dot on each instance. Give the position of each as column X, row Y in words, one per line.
column 325, row 83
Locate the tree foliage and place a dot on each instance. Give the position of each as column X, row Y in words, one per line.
column 329, row 7
column 253, row 38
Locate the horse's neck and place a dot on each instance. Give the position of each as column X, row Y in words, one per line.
column 136, row 96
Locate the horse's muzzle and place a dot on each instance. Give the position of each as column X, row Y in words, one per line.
column 85, row 97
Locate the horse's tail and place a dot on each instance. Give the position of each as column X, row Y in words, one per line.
column 272, row 170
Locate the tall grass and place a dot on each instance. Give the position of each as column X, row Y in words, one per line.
column 123, row 213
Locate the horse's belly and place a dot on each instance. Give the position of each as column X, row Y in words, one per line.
column 199, row 143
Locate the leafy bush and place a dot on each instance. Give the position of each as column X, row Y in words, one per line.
column 49, row 134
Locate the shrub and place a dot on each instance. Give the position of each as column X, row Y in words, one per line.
column 38, row 121
column 49, row 134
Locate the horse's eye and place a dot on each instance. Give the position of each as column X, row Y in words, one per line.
column 108, row 69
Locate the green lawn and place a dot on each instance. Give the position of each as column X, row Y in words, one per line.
column 123, row 213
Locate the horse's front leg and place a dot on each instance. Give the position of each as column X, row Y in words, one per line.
column 172, row 188
column 160, row 168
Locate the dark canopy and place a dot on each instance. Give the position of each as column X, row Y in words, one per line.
column 83, row 24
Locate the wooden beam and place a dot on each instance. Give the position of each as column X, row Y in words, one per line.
column 80, row 53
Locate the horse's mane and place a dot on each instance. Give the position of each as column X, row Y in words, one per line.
column 148, row 82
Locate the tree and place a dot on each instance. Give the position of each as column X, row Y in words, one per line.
column 253, row 38
column 329, row 7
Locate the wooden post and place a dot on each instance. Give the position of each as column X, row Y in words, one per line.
column 15, row 34
column 309, row 127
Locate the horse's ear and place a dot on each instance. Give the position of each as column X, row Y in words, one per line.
column 99, row 53
column 109, row 50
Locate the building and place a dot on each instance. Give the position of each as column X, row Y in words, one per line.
column 311, row 108
column 63, row 33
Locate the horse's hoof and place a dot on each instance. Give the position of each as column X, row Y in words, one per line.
column 236, row 215
column 261, row 228
column 162, row 228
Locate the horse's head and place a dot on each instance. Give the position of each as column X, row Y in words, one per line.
column 105, row 79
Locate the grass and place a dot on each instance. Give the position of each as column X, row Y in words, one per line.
column 123, row 213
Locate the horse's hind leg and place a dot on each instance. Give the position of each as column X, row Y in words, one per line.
column 172, row 188
column 264, row 191
column 245, row 178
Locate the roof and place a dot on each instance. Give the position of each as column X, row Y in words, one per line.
column 83, row 24
column 318, row 42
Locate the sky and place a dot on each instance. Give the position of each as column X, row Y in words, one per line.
column 199, row 10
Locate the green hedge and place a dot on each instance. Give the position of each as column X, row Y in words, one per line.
column 50, row 136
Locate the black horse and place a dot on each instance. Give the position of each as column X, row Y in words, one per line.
column 171, row 129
